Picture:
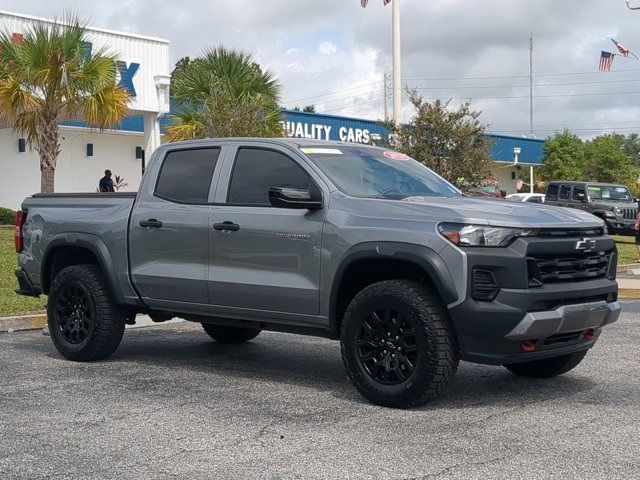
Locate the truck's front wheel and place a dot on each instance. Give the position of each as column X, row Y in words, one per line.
column 229, row 335
column 84, row 322
column 550, row 367
column 398, row 345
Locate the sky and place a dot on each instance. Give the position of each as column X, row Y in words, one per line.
column 333, row 53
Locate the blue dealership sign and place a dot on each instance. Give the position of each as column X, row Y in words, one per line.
column 330, row 127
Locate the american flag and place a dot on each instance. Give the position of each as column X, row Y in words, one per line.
column 624, row 50
column 606, row 61
column 364, row 3
column 621, row 48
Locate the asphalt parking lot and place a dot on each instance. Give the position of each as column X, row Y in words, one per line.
column 173, row 404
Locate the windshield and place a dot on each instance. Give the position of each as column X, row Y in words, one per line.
column 377, row 173
column 609, row 192
column 515, row 198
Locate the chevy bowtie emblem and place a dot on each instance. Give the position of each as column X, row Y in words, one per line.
column 585, row 245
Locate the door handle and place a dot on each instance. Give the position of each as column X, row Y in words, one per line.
column 151, row 223
column 226, row 227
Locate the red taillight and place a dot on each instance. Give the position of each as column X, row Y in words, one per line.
column 20, row 219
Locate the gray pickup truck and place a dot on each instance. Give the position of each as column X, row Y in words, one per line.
column 345, row 241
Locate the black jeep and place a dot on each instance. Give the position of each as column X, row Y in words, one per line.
column 612, row 203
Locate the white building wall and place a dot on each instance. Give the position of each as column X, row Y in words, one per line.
column 113, row 150
column 76, row 172
column 151, row 53
column 504, row 177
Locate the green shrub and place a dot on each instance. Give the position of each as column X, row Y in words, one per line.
column 7, row 216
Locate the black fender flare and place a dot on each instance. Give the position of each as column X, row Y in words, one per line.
column 420, row 255
column 93, row 244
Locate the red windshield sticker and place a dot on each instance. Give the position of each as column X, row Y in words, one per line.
column 396, row 155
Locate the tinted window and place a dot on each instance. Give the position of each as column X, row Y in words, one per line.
column 578, row 191
column 185, row 176
column 565, row 190
column 534, row 200
column 256, row 171
column 552, row 191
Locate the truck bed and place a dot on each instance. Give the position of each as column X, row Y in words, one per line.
column 98, row 219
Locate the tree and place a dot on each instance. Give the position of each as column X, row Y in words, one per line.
column 224, row 93
column 49, row 76
column 632, row 148
column 450, row 141
column 608, row 162
column 564, row 158
column 306, row 109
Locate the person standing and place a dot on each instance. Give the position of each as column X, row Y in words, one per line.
column 106, row 184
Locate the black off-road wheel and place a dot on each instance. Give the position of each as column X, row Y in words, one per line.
column 230, row 335
column 550, row 367
column 84, row 321
column 398, row 345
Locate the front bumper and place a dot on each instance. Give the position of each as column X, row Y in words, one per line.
column 553, row 316
column 620, row 226
column 565, row 319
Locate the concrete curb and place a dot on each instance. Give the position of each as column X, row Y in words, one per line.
column 23, row 322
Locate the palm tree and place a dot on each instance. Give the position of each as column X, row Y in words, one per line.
column 49, row 76
column 224, row 93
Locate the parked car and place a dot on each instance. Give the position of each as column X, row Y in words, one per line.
column 345, row 241
column 611, row 202
column 525, row 197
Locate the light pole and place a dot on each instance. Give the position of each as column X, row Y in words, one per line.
column 397, row 64
column 516, row 156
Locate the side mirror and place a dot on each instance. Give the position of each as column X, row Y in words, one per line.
column 582, row 197
column 294, row 198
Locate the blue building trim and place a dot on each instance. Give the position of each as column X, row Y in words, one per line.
column 338, row 128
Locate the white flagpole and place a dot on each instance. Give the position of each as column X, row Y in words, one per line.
column 397, row 64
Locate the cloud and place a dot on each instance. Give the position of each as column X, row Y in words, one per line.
column 333, row 53
column 327, row 48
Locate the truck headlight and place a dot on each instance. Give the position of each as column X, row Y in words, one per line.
column 481, row 235
column 617, row 211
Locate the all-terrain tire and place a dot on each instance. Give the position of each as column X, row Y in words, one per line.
column 230, row 335
column 550, row 367
column 85, row 323
column 417, row 320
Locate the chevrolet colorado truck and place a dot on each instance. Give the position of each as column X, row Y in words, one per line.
column 350, row 242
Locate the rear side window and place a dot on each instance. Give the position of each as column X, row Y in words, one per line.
column 185, row 176
column 257, row 170
column 565, row 190
column 577, row 191
column 534, row 200
column 552, row 192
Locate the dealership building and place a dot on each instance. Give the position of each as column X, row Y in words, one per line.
column 144, row 68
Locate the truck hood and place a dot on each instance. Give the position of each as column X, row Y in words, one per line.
column 477, row 211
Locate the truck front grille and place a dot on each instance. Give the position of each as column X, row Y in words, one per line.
column 629, row 213
column 568, row 267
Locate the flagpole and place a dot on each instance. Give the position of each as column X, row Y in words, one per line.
column 531, row 84
column 397, row 64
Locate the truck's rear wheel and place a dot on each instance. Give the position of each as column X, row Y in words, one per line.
column 84, row 322
column 550, row 367
column 398, row 345
column 225, row 334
